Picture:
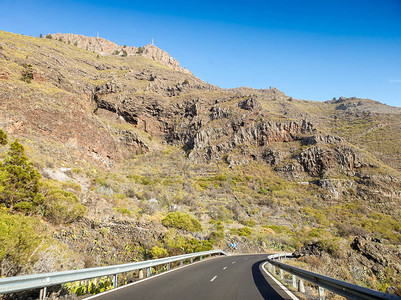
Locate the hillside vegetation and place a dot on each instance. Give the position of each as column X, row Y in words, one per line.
column 117, row 157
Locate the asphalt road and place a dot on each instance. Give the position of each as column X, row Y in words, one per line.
column 225, row 277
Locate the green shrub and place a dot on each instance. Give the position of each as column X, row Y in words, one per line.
column 122, row 210
column 182, row 220
column 19, row 237
column 195, row 245
column 140, row 50
column 248, row 223
column 27, row 73
column 19, row 180
column 220, row 177
column 158, row 252
column 94, row 286
column 3, row 138
column 244, row 231
column 263, row 191
column 49, row 36
column 178, row 244
column 125, row 53
column 331, row 246
column 62, row 206
column 217, row 236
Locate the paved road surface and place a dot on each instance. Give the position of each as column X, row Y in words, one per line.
column 225, row 277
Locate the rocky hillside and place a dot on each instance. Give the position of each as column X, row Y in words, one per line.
column 139, row 144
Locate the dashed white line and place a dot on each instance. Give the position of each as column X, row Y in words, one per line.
column 224, row 268
column 213, row 278
column 245, row 258
column 234, row 262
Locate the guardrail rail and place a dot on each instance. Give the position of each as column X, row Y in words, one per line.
column 44, row 280
column 343, row 288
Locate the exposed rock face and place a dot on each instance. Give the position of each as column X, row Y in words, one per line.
column 271, row 157
column 105, row 47
column 366, row 258
column 163, row 57
column 374, row 255
column 335, row 186
column 97, row 44
column 220, row 140
column 317, row 161
column 322, row 139
column 250, row 104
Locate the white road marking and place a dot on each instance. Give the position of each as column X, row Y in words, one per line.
column 145, row 279
column 213, row 278
column 234, row 262
column 284, row 288
column 224, row 268
column 245, row 258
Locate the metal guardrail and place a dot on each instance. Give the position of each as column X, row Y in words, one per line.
column 343, row 288
column 34, row 281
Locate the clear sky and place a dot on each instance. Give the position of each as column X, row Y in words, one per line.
column 309, row 49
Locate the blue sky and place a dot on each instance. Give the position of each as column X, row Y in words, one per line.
column 310, row 49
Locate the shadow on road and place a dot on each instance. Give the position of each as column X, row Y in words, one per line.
column 261, row 283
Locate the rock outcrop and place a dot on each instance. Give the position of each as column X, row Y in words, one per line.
column 318, row 161
column 365, row 252
column 106, row 47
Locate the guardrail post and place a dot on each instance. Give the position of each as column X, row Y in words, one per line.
column 281, row 274
column 210, row 256
column 168, row 267
column 115, row 282
column 148, row 272
column 140, row 275
column 270, row 267
column 42, row 294
column 192, row 260
column 200, row 257
column 274, row 270
column 294, row 281
column 321, row 293
column 301, row 287
column 182, row 263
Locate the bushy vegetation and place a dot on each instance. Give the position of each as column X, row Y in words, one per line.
column 94, row 286
column 3, row 138
column 20, row 237
column 158, row 252
column 19, row 181
column 176, row 244
column 27, row 73
column 183, row 221
column 61, row 206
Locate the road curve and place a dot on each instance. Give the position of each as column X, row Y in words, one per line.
column 225, row 277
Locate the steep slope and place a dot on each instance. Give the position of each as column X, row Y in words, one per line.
column 136, row 138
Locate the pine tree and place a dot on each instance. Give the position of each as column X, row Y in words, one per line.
column 19, row 180
column 3, row 138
